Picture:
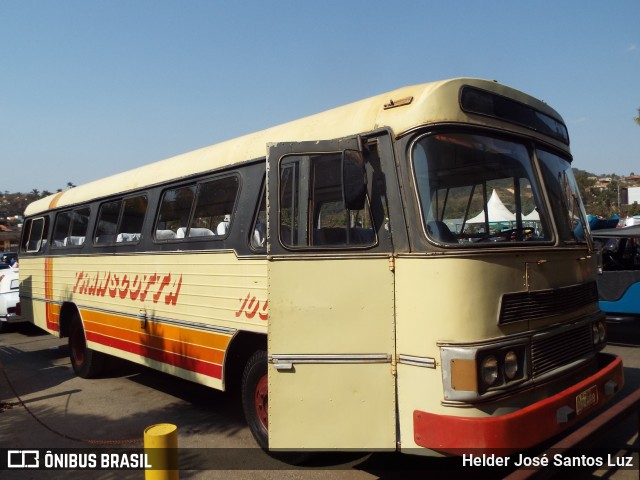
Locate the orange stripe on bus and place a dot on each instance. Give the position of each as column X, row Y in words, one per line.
column 52, row 310
column 166, row 332
column 141, row 337
column 54, row 200
column 169, row 358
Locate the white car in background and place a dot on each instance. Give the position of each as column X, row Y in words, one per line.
column 9, row 296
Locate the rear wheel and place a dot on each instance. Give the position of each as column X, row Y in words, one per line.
column 255, row 398
column 86, row 363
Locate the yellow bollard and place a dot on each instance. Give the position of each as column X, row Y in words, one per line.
column 161, row 447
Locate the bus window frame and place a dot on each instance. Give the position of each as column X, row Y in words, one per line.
column 305, row 183
column 122, row 200
column 262, row 199
column 195, row 184
column 71, row 211
column 529, row 143
column 44, row 235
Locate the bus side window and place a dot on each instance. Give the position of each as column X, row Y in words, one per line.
column 175, row 208
column 311, row 194
column 79, row 225
column 289, row 203
column 35, row 236
column 120, row 221
column 70, row 228
column 214, row 206
column 61, row 229
column 130, row 225
column 107, row 222
column 259, row 236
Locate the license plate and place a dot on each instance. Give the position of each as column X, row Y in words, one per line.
column 586, row 399
column 15, row 284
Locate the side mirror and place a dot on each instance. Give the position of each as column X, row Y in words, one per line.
column 354, row 180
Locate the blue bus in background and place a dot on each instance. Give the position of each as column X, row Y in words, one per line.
column 619, row 279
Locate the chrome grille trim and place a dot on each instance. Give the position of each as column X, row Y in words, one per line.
column 549, row 352
column 528, row 306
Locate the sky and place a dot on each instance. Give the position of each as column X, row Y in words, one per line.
column 92, row 88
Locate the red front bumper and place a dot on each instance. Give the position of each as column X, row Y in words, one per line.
column 523, row 428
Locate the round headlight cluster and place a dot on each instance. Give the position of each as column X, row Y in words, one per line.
column 599, row 332
column 493, row 365
column 510, row 365
column 489, row 370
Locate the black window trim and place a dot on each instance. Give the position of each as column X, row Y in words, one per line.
column 322, row 248
column 43, row 236
column 55, row 221
column 531, row 146
column 262, row 196
column 196, row 183
column 549, row 133
column 122, row 200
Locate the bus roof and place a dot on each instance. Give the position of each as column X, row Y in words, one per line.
column 356, row 118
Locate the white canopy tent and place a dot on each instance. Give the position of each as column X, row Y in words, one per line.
column 533, row 216
column 497, row 212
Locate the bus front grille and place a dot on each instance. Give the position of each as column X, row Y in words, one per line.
column 527, row 306
column 553, row 351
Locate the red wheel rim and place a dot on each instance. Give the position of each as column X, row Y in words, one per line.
column 78, row 347
column 261, row 400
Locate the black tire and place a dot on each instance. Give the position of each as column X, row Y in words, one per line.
column 86, row 363
column 255, row 401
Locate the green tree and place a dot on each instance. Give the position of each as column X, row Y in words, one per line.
column 585, row 182
column 632, row 210
column 606, row 199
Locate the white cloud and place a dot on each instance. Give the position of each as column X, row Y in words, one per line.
column 632, row 47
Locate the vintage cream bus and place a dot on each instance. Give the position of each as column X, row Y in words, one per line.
column 349, row 272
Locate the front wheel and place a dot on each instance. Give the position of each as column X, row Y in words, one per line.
column 86, row 363
column 255, row 397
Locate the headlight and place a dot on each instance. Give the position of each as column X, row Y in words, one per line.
column 473, row 374
column 510, row 365
column 602, row 332
column 599, row 332
column 489, row 370
column 595, row 333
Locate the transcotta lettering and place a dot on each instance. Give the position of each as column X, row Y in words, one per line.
column 115, row 285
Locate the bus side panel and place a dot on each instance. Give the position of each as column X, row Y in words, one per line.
column 331, row 344
column 36, row 294
column 442, row 299
column 173, row 312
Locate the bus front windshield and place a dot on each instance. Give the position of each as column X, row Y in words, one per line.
column 478, row 191
column 564, row 197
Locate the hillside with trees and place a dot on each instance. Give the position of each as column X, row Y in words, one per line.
column 12, row 205
column 604, row 195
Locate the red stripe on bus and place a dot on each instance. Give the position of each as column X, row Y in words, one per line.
column 192, row 364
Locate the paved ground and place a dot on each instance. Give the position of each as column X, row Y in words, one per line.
column 130, row 398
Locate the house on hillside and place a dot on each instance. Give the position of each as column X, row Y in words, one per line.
column 9, row 238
